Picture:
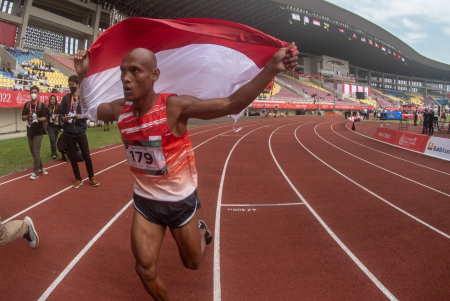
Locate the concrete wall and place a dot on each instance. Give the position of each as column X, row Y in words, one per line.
column 6, row 57
column 11, row 120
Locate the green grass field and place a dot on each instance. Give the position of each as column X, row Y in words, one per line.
column 16, row 156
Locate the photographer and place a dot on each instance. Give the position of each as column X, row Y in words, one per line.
column 75, row 132
column 53, row 128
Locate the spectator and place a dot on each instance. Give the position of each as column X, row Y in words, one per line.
column 75, row 132
column 35, row 113
column 53, row 111
column 106, row 125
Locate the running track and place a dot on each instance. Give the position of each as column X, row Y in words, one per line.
column 302, row 209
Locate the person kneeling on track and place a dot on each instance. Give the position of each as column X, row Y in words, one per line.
column 13, row 230
column 161, row 158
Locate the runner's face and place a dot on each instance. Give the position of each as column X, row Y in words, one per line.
column 138, row 77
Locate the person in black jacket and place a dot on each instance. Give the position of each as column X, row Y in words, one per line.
column 416, row 115
column 425, row 122
column 75, row 132
column 53, row 123
column 430, row 122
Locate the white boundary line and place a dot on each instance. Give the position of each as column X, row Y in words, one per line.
column 396, row 145
column 260, row 205
column 216, row 128
column 377, row 166
column 387, row 153
column 55, row 194
column 217, row 285
column 58, row 165
column 366, row 271
column 81, row 254
column 374, row 194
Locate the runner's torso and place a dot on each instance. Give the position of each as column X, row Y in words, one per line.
column 162, row 164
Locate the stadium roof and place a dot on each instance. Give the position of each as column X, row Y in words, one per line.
column 275, row 18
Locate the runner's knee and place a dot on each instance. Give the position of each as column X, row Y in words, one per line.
column 147, row 273
column 192, row 264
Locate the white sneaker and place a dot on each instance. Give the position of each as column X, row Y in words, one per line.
column 34, row 176
column 43, row 171
column 31, row 236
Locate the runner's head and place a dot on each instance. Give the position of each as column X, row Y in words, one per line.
column 138, row 73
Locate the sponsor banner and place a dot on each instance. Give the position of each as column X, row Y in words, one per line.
column 16, row 99
column 415, row 142
column 411, row 116
column 385, row 135
column 438, row 147
column 393, row 115
column 308, row 106
column 411, row 141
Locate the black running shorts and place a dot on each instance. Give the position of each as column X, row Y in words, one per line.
column 171, row 214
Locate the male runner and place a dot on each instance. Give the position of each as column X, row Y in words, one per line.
column 161, row 158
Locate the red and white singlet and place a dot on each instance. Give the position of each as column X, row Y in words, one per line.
column 162, row 164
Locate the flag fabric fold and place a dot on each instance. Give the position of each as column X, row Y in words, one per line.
column 204, row 58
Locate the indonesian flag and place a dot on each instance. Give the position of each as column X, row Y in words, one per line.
column 341, row 30
column 199, row 57
column 316, row 22
column 383, row 48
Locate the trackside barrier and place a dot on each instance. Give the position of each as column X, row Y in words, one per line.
column 438, row 147
column 415, row 142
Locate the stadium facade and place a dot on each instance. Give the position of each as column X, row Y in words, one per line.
column 336, row 47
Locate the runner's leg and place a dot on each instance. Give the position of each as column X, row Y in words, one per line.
column 191, row 243
column 146, row 240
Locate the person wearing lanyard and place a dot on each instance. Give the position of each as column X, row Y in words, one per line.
column 53, row 123
column 34, row 113
column 75, row 133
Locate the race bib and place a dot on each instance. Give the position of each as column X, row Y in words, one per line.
column 146, row 156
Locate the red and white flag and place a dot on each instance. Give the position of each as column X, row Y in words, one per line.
column 316, row 22
column 204, row 58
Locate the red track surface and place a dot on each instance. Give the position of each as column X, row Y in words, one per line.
column 395, row 226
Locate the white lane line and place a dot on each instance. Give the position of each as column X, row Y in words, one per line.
column 377, row 166
column 55, row 194
column 373, row 193
column 387, row 153
column 366, row 271
column 81, row 254
column 27, row 175
column 260, row 205
column 217, row 285
column 216, row 128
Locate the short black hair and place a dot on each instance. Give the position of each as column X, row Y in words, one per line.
column 73, row 79
column 34, row 88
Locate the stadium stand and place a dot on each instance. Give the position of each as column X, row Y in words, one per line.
column 279, row 93
column 416, row 99
column 395, row 96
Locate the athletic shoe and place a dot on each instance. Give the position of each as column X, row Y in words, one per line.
column 55, row 157
column 34, row 176
column 43, row 171
column 94, row 182
column 77, row 184
column 208, row 234
column 31, row 235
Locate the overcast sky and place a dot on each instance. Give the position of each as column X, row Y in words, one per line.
column 423, row 25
